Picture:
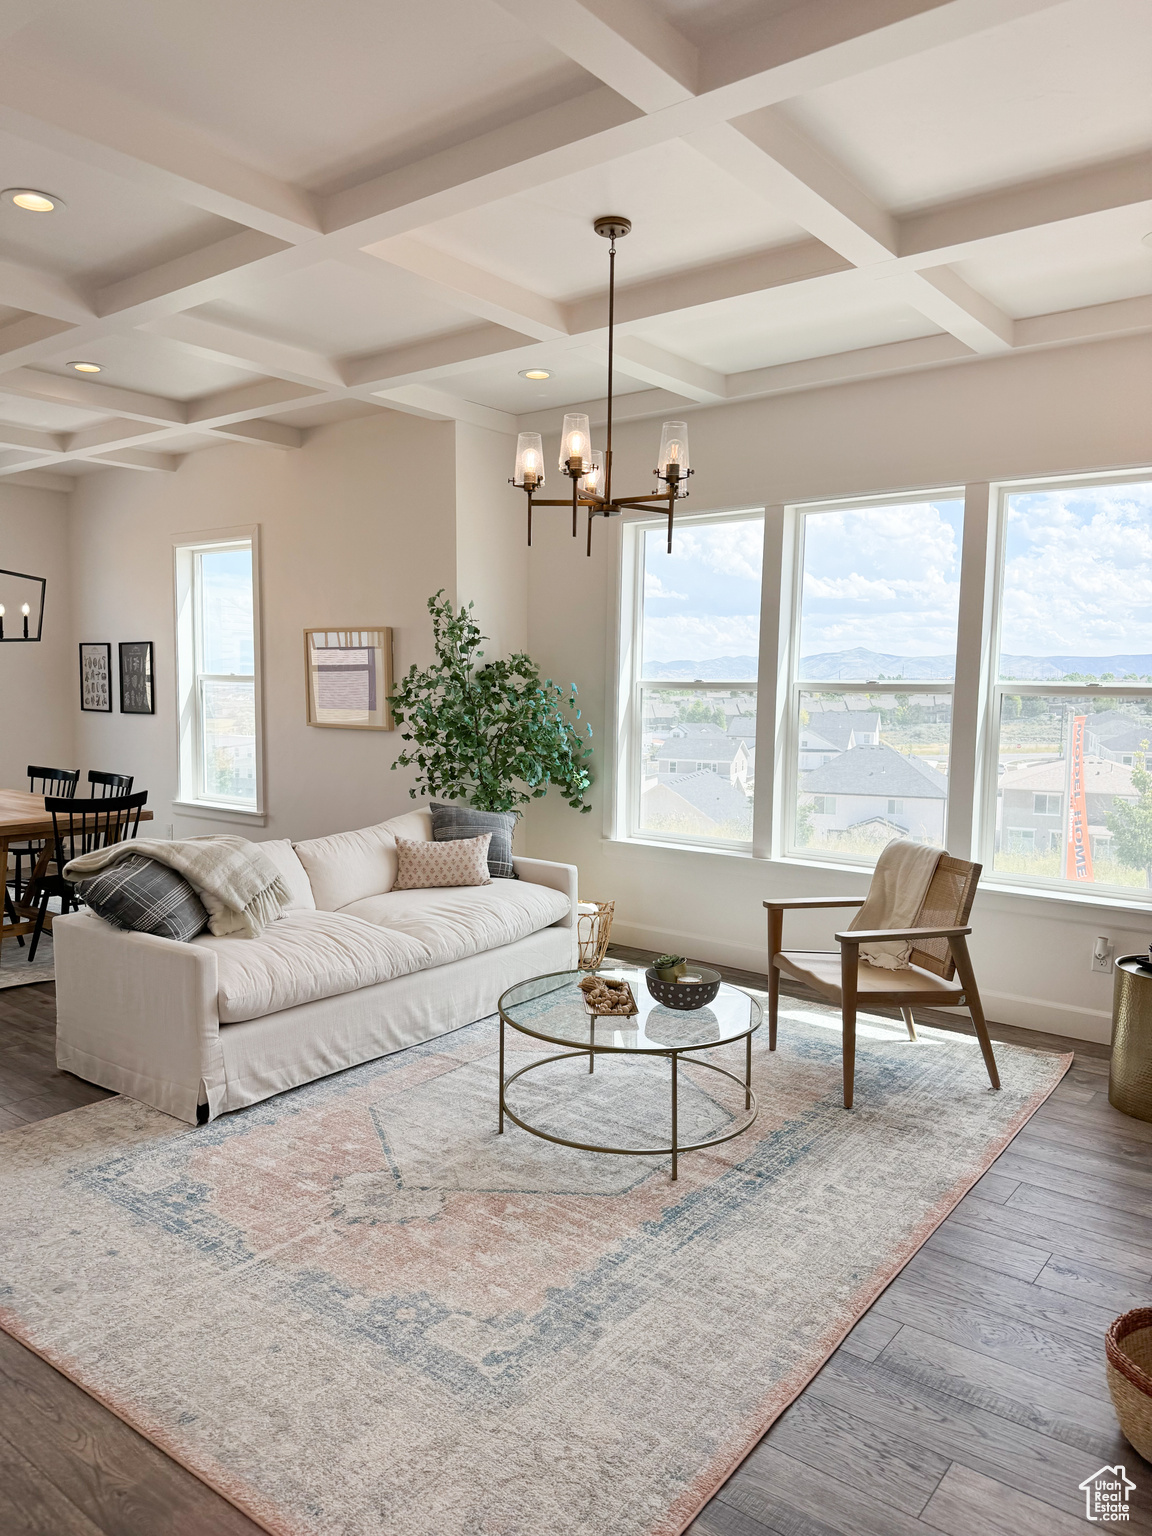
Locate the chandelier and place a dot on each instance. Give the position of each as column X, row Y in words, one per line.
column 588, row 468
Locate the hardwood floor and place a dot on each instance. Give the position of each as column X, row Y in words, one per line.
column 970, row 1400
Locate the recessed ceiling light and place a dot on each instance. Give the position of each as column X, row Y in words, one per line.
column 535, row 373
column 32, row 201
column 85, row 367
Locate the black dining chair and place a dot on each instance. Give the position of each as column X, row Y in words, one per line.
column 61, row 782
column 79, row 826
column 105, row 784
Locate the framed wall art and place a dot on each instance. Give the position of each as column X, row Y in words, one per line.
column 136, row 693
column 96, row 676
column 348, row 678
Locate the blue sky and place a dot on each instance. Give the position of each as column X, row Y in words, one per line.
column 1078, row 572
column 703, row 600
column 227, row 598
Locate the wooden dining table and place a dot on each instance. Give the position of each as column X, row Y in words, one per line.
column 23, row 819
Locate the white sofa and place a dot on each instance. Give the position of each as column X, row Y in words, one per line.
column 354, row 970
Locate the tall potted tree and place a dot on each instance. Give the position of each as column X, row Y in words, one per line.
column 492, row 733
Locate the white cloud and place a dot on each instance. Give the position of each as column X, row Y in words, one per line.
column 728, row 549
column 680, row 638
column 654, row 587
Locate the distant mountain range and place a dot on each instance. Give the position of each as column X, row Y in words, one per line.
column 860, row 665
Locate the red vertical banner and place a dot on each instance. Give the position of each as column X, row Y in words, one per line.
column 1078, row 853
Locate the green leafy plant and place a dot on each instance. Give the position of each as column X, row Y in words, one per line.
column 1131, row 825
column 493, row 733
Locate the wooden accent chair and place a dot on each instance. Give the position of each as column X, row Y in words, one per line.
column 939, row 954
column 108, row 784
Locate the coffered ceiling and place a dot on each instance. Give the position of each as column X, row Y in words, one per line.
column 274, row 213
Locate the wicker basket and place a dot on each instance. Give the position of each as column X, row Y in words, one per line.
column 593, row 930
column 1128, row 1349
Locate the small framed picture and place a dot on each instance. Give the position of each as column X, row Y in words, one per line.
column 96, row 676
column 136, row 695
column 348, row 678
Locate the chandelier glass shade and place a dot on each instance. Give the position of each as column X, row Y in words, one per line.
column 590, row 469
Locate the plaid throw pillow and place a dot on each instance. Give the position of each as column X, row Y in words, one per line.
column 453, row 821
column 145, row 897
column 421, row 865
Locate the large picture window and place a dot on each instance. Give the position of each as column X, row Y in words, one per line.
column 874, row 642
column 695, row 649
column 218, row 681
column 1069, row 801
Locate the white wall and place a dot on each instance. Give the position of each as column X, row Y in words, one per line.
column 1035, row 414
column 491, row 538
column 39, row 683
column 357, row 527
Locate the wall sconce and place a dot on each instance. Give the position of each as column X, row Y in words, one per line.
column 25, row 594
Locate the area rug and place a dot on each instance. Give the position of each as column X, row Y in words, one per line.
column 14, row 968
column 356, row 1310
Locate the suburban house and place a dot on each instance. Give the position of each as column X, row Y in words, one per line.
column 701, row 804
column 1032, row 802
column 834, row 731
column 876, row 792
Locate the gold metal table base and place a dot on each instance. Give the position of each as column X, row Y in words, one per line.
column 751, row 1104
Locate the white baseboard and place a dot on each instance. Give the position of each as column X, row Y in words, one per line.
column 1001, row 1007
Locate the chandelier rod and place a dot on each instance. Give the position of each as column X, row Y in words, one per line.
column 611, row 333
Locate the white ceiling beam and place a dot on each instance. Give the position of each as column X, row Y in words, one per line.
column 799, row 262
column 42, row 293
column 117, row 433
column 439, row 405
column 816, row 43
column 197, row 278
column 29, row 437
column 781, row 166
column 246, row 401
column 79, row 118
column 1095, row 322
column 264, row 434
column 640, row 359
column 436, row 357
column 955, row 230
column 32, row 384
column 628, row 44
column 948, row 301
column 23, row 341
column 480, row 293
column 136, row 458
column 241, row 349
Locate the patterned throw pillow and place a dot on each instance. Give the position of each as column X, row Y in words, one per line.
column 462, row 861
column 453, row 821
column 145, row 897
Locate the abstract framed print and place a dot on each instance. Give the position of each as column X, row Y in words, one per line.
column 137, row 696
column 348, row 678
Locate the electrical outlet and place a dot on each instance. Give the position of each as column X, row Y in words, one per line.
column 1103, row 951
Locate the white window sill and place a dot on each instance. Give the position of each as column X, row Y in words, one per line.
column 990, row 886
column 207, row 811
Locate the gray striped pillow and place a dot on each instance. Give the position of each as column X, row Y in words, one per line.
column 453, row 821
column 143, row 896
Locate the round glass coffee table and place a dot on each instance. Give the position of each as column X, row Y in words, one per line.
column 551, row 1008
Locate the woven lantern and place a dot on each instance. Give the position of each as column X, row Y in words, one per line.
column 593, row 929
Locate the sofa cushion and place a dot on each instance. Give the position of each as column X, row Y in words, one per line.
column 458, row 821
column 420, row 865
column 464, row 920
column 305, row 956
column 293, row 874
column 350, row 865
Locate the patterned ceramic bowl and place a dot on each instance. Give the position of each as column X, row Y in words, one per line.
column 684, row 995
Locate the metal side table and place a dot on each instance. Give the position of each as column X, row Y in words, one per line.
column 1130, row 1074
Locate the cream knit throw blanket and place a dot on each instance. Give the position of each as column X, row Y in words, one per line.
column 240, row 887
column 900, row 883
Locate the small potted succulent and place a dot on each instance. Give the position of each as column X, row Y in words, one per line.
column 670, row 967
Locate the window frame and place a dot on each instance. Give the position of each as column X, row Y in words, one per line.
column 630, row 765
column 995, row 690
column 191, row 798
column 789, row 754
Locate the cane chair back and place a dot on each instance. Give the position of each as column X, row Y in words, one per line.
column 947, row 904
column 109, row 784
